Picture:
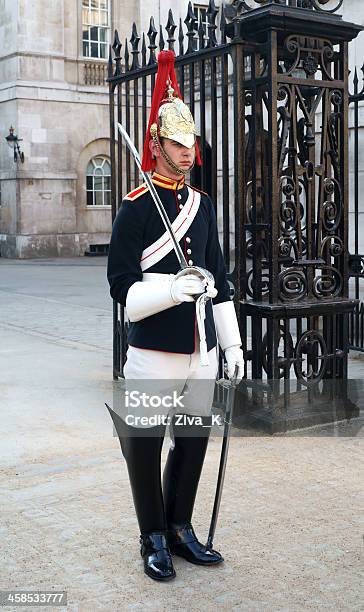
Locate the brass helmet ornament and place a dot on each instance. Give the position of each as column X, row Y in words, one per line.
column 169, row 116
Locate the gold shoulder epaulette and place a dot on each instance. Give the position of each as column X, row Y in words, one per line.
column 133, row 195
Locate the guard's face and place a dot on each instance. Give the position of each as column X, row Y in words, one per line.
column 182, row 156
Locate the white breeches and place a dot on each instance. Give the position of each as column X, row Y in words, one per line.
column 172, row 383
column 145, row 363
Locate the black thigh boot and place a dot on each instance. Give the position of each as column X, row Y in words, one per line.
column 142, row 453
column 180, row 481
column 183, row 469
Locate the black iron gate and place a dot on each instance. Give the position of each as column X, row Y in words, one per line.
column 356, row 260
column 208, row 70
column 268, row 87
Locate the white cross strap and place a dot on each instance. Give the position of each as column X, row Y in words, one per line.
column 161, row 247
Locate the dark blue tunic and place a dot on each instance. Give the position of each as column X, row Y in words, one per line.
column 137, row 226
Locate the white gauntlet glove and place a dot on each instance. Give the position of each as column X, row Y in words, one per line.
column 234, row 356
column 228, row 335
column 152, row 295
column 185, row 287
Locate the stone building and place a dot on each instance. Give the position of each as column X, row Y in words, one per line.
column 53, row 62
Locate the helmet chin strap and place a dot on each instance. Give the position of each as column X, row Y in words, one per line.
column 166, row 157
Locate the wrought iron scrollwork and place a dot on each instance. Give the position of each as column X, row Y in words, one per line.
column 331, row 246
column 332, row 209
column 239, row 7
column 285, row 361
column 263, row 281
column 309, row 56
column 287, row 248
column 292, row 284
column 310, row 348
column 328, row 283
column 318, row 5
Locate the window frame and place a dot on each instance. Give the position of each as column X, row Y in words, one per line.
column 197, row 8
column 93, row 191
column 87, row 26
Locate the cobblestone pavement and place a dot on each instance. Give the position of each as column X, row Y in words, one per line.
column 291, row 523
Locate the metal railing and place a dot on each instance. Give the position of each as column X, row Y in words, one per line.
column 282, row 208
column 356, row 260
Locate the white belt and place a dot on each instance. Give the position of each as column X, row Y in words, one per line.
column 200, row 312
column 151, row 276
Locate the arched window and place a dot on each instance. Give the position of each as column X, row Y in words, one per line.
column 96, row 23
column 98, row 182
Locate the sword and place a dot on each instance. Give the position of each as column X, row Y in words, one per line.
column 231, row 386
column 185, row 268
column 157, row 201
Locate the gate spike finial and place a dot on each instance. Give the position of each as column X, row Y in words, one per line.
column 134, row 41
column 180, row 37
column 170, row 27
column 223, row 23
column 152, row 35
column 144, row 51
column 161, row 39
column 201, row 34
column 355, row 81
column 109, row 64
column 191, row 22
column 362, row 70
column 212, row 12
column 117, row 48
column 126, row 56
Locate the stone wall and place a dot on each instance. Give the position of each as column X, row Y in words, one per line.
column 63, row 123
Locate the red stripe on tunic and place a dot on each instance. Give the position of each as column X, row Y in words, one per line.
column 168, row 240
column 136, row 192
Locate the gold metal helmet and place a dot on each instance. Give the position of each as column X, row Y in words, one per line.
column 170, row 118
column 176, row 121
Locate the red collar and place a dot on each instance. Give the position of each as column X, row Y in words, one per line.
column 167, row 183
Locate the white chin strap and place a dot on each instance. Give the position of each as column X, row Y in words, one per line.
column 170, row 163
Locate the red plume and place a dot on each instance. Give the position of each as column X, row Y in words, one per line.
column 165, row 73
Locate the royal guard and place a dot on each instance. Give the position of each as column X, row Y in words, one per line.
column 167, row 337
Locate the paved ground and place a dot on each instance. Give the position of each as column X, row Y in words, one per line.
column 291, row 525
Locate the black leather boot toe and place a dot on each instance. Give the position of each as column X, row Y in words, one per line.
column 184, row 543
column 157, row 557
